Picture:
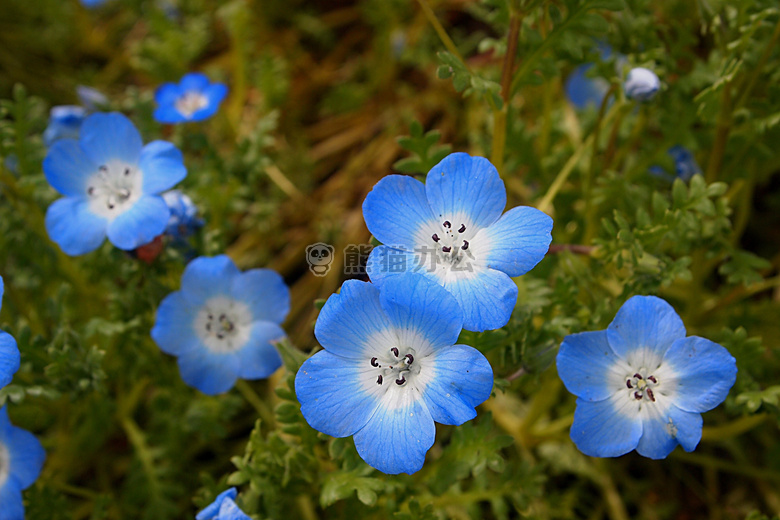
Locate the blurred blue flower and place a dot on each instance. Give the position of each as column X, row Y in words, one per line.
column 184, row 215
column 110, row 181
column 91, row 99
column 452, row 230
column 222, row 323
column 641, row 84
column 391, row 368
column 582, row 90
column 21, row 460
column 11, row 163
column 642, row 384
column 9, row 358
column 685, row 165
column 223, row 508
column 194, row 98
column 64, row 123
column 92, row 3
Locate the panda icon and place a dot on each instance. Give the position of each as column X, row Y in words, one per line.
column 319, row 256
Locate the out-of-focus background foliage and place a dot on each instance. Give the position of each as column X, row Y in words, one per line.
column 320, row 93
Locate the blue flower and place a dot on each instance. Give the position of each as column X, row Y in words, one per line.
column 223, row 508
column 642, row 384
column 184, row 215
column 451, row 230
column 9, row 354
column 92, row 3
column 91, row 99
column 641, row 84
column 110, row 182
column 21, row 460
column 194, row 98
column 685, row 165
column 64, row 123
column 582, row 90
column 222, row 322
column 390, row 369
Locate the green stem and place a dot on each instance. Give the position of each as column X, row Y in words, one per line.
column 443, row 36
column 136, row 437
column 587, row 184
column 500, row 115
column 258, row 404
column 734, row 428
column 718, row 463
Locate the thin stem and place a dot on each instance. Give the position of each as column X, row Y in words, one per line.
column 500, row 115
column 718, row 463
column 574, row 248
column 443, row 36
column 258, row 404
column 588, row 181
column 734, row 428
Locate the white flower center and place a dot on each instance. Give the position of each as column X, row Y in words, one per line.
column 191, row 102
column 5, row 465
column 446, row 248
column 114, row 188
column 397, row 366
column 642, row 386
column 223, row 324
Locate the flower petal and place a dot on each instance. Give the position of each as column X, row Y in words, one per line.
column 460, row 380
column 259, row 359
column 167, row 94
column 462, row 188
column 11, row 498
column 162, row 165
column 212, row 510
column 9, row 358
column 703, row 372
column 206, row 277
column 486, row 296
column 112, row 136
column 214, row 94
column 352, row 323
column 397, row 213
column 265, row 292
column 208, row 372
column 173, row 325
column 27, row 456
column 385, row 262
column 664, row 429
column 422, row 312
column 74, row 227
column 139, row 224
column 516, row 243
column 398, row 435
column 67, row 167
column 588, row 366
column 646, row 326
column 337, row 395
column 607, row 428
column 196, row 81
column 230, row 511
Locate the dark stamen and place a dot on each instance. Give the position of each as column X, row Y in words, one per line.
column 221, row 317
column 394, row 350
column 220, row 335
column 447, row 224
column 462, row 228
column 110, row 206
column 637, row 376
column 379, row 379
column 103, row 168
column 637, row 395
column 650, row 394
column 465, row 245
column 208, row 326
column 653, row 379
column 211, row 316
column 401, row 381
column 374, row 362
column 409, row 358
column 435, row 237
column 628, row 383
column 90, row 190
column 127, row 171
column 446, row 249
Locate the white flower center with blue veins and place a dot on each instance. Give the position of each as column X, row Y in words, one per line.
column 114, row 188
column 223, row 324
column 191, row 102
column 5, row 465
column 640, row 377
column 447, row 248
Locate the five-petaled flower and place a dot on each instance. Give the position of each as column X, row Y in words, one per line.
column 451, row 230
column 222, row 322
column 110, row 181
column 642, row 384
column 223, row 508
column 9, row 354
column 184, row 215
column 390, row 368
column 194, row 98
column 21, row 460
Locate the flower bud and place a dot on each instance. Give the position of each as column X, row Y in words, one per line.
column 642, row 84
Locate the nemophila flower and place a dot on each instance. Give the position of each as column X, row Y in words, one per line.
column 451, row 230
column 92, row 3
column 222, row 322
column 91, row 98
column 184, row 215
column 111, row 183
column 223, row 508
column 21, row 460
column 194, row 98
column 642, row 384
column 685, row 165
column 64, row 123
column 9, row 355
column 390, row 369
column 641, row 84
column 582, row 90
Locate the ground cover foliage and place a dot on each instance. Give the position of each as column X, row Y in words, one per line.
column 326, row 98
